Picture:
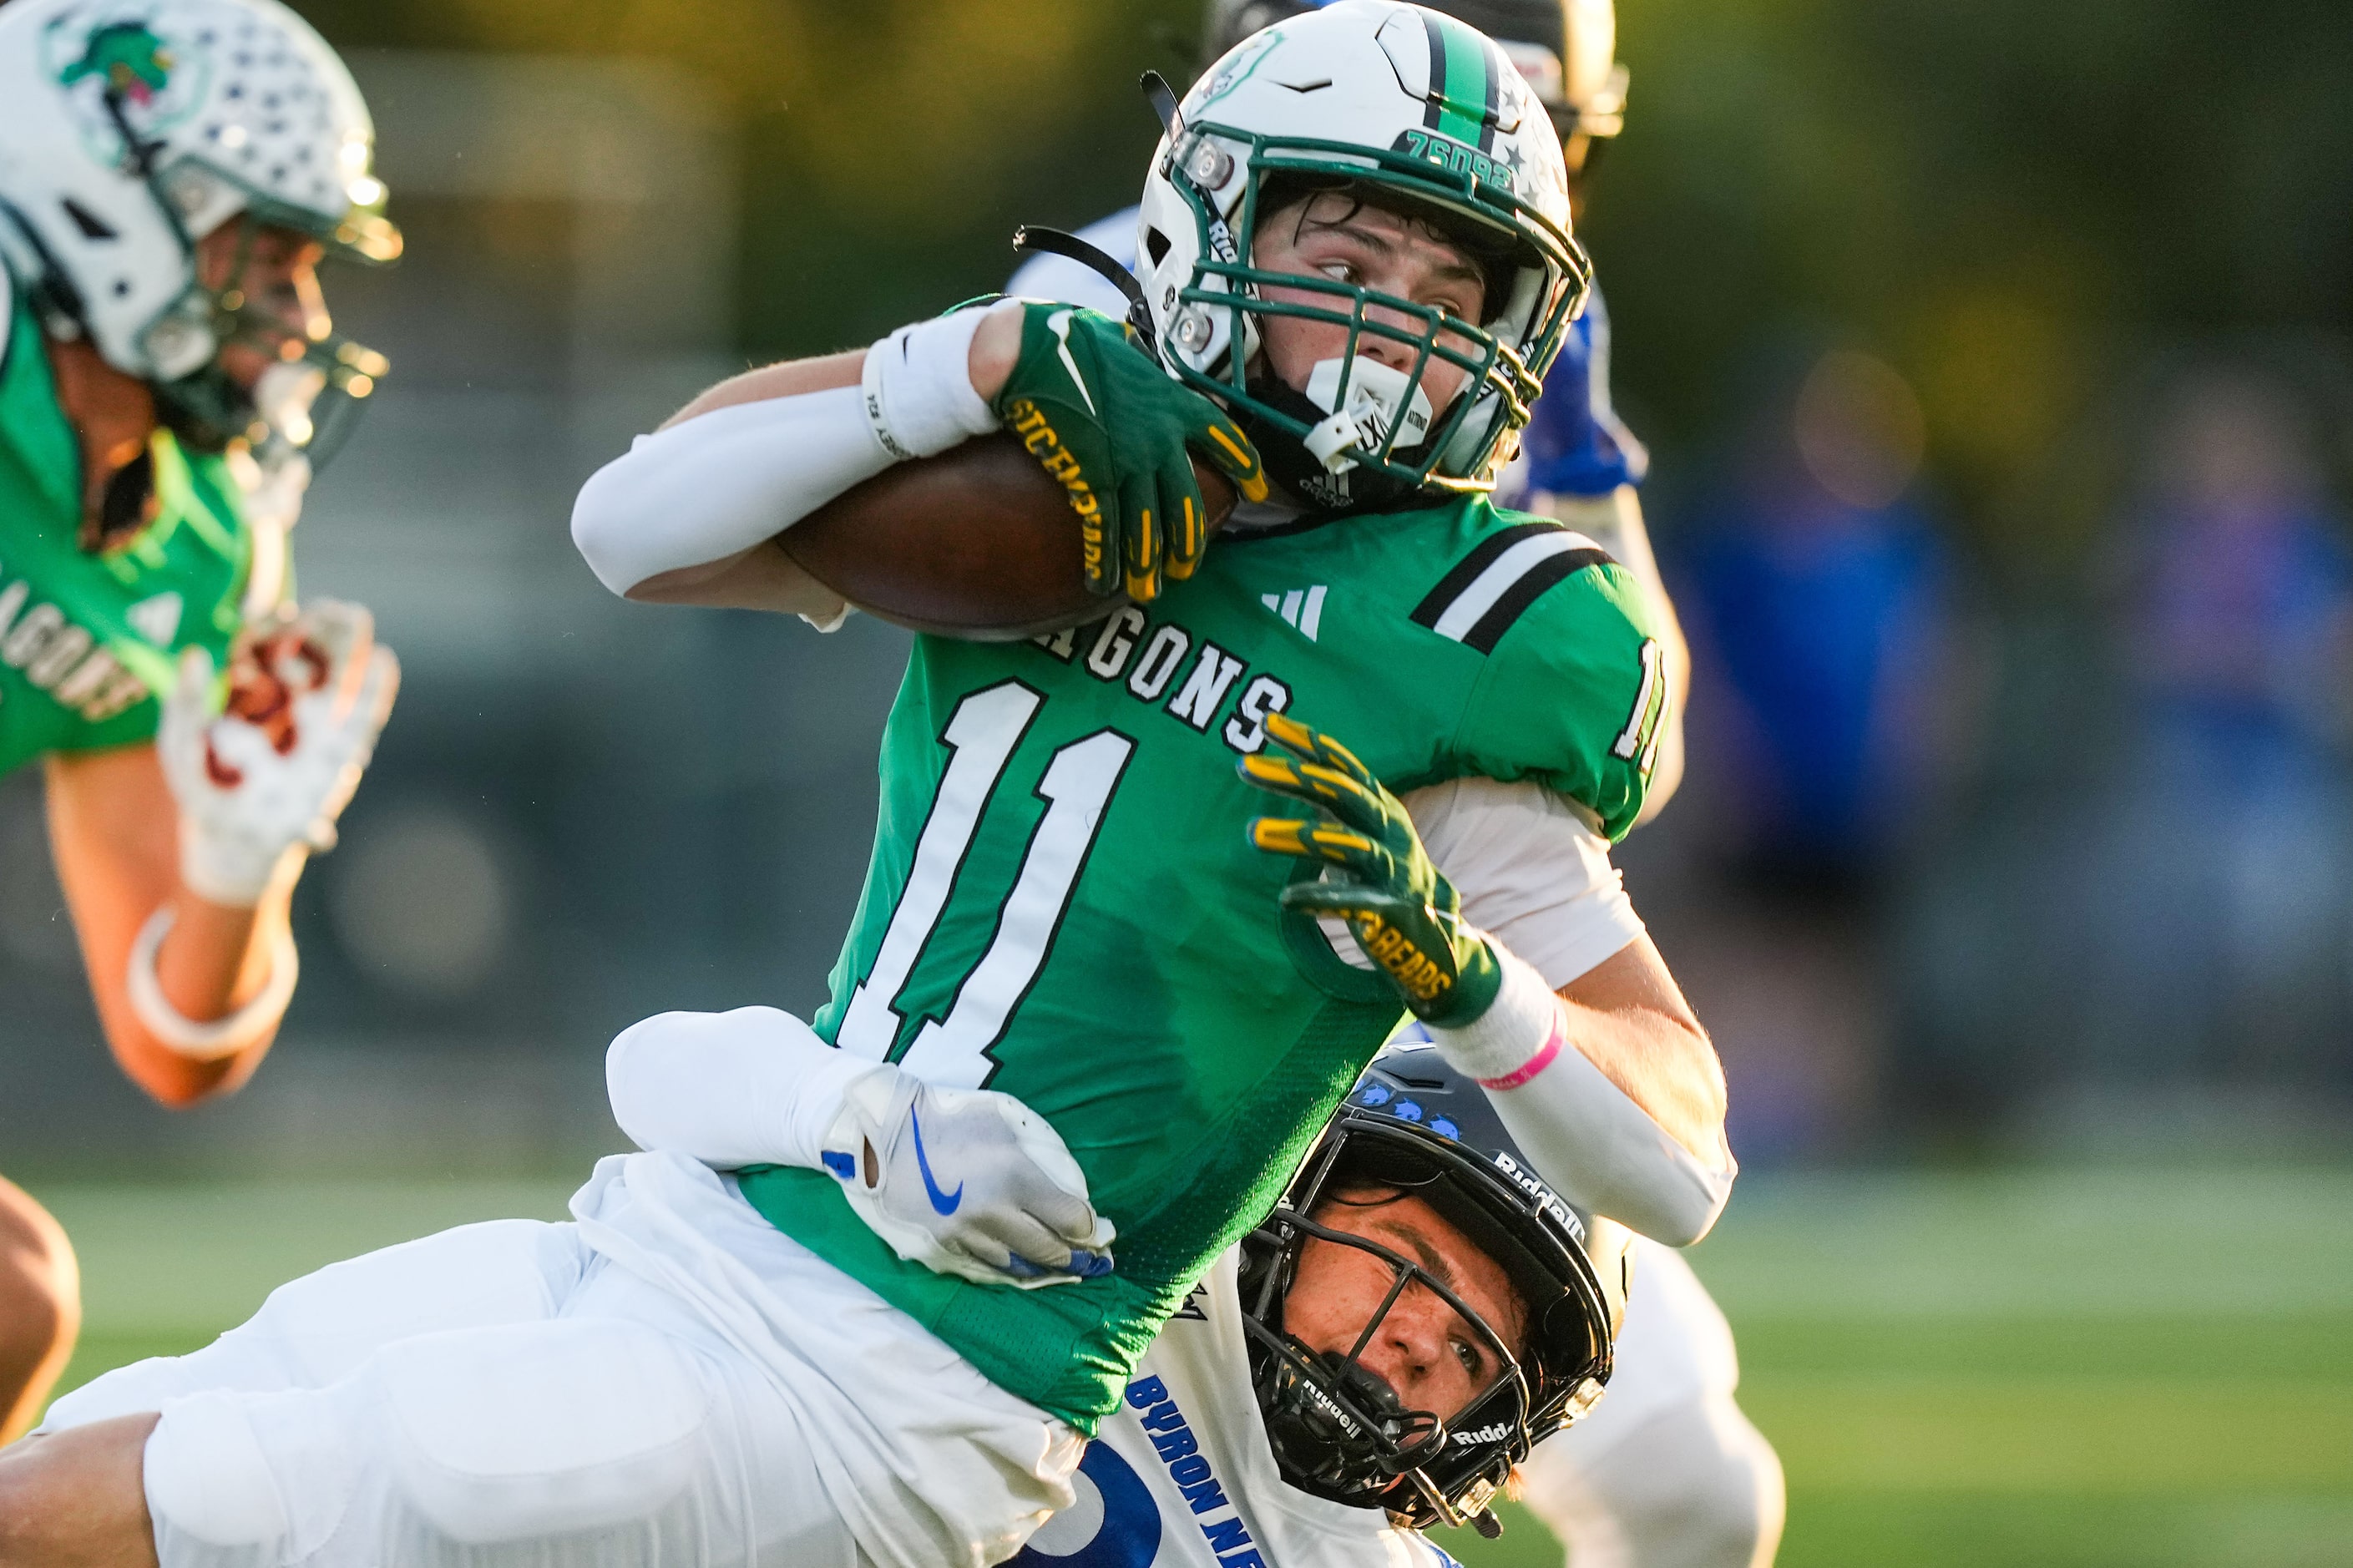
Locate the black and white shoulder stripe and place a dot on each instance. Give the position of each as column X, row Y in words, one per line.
column 1488, row 589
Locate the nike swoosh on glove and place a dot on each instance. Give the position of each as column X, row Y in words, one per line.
column 1119, row 434
column 967, row 1182
column 269, row 771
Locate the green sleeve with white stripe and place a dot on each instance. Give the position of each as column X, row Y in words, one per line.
column 1574, row 696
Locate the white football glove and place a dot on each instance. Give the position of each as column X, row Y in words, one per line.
column 309, row 689
column 966, row 1182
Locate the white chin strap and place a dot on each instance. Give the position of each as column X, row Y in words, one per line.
column 1362, row 423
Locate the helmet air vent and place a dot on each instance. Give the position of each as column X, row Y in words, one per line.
column 92, row 226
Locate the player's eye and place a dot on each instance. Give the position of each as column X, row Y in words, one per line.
column 1472, row 1363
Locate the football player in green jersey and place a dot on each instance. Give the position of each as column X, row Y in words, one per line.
column 1068, row 930
column 1670, row 1473
column 170, row 177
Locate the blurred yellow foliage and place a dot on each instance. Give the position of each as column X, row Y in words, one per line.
column 907, row 103
column 1995, row 368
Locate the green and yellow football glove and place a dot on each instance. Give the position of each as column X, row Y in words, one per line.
column 1405, row 916
column 1116, row 430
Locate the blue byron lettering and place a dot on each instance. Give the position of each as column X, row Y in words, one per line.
column 1163, row 1418
column 1203, row 1495
column 1175, row 1446
column 1227, row 1535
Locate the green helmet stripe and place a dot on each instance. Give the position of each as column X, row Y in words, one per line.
column 1462, row 83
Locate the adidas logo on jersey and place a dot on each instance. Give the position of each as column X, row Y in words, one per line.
column 156, row 619
column 1302, row 608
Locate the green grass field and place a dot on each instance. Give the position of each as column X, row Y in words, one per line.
column 2062, row 1368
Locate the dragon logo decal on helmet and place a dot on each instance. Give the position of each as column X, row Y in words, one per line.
column 1404, row 109
column 1339, row 1431
column 131, row 130
column 128, row 57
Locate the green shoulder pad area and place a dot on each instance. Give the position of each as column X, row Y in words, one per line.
column 1573, row 694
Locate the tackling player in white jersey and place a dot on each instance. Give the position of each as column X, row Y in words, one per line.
column 1669, row 1473
column 1374, row 1359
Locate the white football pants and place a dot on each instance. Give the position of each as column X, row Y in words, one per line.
column 1667, row 1472
column 512, row 1395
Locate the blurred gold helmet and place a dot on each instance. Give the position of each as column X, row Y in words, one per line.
column 1566, row 48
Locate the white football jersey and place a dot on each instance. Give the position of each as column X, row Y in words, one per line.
column 1181, row 1476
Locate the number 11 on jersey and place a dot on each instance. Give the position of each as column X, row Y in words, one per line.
column 984, row 732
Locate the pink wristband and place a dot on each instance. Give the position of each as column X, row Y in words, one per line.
column 1533, row 1066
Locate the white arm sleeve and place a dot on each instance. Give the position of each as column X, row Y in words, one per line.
column 720, row 483
column 1533, row 873
column 1604, row 1153
column 753, row 1086
column 1536, row 876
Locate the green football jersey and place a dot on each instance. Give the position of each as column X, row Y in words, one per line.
column 1063, row 903
column 86, row 640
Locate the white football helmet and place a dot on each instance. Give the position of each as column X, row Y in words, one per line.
column 130, row 129
column 1413, row 110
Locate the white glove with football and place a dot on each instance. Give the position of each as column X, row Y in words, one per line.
column 966, row 1182
column 309, row 689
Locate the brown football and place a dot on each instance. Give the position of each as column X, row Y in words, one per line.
column 977, row 542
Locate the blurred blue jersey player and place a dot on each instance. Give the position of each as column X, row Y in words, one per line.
column 1667, row 1473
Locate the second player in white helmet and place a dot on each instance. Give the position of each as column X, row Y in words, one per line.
column 133, row 135
column 172, row 175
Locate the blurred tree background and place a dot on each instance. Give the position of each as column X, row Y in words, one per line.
column 2011, row 197
column 890, row 148
column 2008, row 196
